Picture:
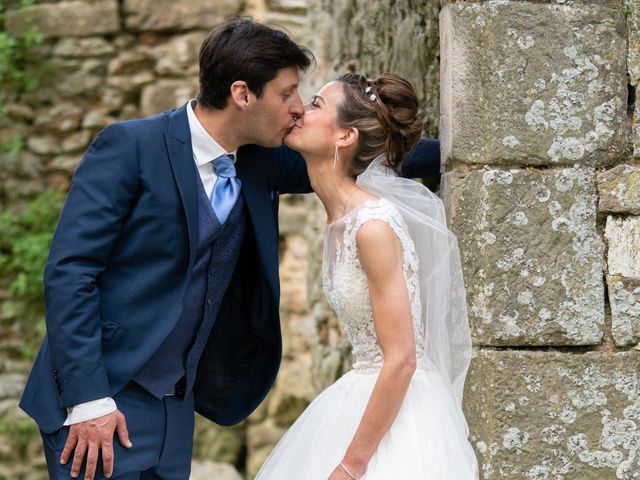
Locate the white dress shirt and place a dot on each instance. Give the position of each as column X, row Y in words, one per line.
column 205, row 150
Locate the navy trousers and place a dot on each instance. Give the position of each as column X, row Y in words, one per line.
column 161, row 432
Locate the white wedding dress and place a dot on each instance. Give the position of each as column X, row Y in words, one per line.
column 428, row 438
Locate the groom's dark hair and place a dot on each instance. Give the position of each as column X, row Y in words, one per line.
column 242, row 49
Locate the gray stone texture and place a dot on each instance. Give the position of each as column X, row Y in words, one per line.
column 533, row 83
column 636, row 125
column 531, row 254
column 165, row 94
column 66, row 19
column 208, row 470
column 83, row 47
column 623, row 239
column 152, row 15
column 619, row 190
column 552, row 415
column 368, row 37
column 623, row 277
column 632, row 10
column 179, row 56
column 624, row 298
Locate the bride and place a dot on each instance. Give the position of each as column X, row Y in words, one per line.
column 392, row 274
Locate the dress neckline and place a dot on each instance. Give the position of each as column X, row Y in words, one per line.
column 367, row 203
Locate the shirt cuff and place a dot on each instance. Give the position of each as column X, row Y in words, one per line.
column 90, row 410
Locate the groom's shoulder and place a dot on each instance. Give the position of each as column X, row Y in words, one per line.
column 139, row 130
column 159, row 121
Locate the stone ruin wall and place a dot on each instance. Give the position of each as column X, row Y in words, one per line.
column 534, row 103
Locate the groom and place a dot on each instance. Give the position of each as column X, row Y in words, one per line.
column 161, row 286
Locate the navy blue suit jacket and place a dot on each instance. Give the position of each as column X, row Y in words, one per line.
column 120, row 263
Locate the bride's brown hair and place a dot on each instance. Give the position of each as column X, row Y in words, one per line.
column 385, row 113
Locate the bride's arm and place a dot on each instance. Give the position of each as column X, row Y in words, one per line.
column 380, row 253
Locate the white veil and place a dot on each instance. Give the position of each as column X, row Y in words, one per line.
column 442, row 292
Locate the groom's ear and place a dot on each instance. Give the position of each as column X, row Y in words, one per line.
column 349, row 137
column 240, row 94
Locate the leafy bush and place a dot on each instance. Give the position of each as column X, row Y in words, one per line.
column 24, row 246
column 16, row 70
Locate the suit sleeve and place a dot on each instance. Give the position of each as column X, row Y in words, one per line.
column 102, row 192
column 423, row 160
column 289, row 172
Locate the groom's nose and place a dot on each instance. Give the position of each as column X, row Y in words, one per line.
column 297, row 108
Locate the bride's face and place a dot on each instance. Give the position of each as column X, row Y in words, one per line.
column 317, row 131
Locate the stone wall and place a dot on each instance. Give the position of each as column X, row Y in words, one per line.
column 539, row 143
column 534, row 102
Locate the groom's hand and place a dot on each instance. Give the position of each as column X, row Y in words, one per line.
column 89, row 438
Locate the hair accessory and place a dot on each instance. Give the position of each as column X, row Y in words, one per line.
column 372, row 97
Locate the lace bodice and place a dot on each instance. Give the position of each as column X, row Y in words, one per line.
column 345, row 283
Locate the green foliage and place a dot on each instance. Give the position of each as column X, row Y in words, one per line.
column 13, row 146
column 24, row 246
column 16, row 70
column 22, row 430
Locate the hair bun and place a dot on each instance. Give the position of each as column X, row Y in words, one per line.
column 385, row 112
column 399, row 115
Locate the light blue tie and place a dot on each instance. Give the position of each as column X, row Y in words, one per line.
column 226, row 189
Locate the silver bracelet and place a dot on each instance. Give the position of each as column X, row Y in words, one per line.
column 348, row 472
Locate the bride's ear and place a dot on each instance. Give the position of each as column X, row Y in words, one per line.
column 348, row 138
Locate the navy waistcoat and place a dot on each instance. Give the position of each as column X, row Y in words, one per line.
column 216, row 258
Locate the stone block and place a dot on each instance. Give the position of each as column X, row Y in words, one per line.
column 533, row 83
column 62, row 117
column 632, row 8
column 73, row 78
column 214, row 442
column 83, row 47
column 624, row 298
column 44, row 144
column 66, row 163
column 96, row 119
column 129, row 62
column 11, row 385
column 623, row 238
column 619, row 190
column 179, row 56
column 207, row 470
column 531, row 255
column 261, row 438
column 297, row 26
column 131, row 84
column 172, row 15
column 76, row 142
column 636, row 125
column 166, row 94
column 66, row 19
column 289, row 6
column 551, row 415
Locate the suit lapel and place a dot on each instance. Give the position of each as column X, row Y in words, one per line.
column 256, row 195
column 178, row 140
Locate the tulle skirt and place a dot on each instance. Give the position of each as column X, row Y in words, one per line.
column 427, row 441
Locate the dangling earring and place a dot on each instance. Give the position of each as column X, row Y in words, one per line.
column 335, row 157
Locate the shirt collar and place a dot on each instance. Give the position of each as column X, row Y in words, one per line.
column 205, row 148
